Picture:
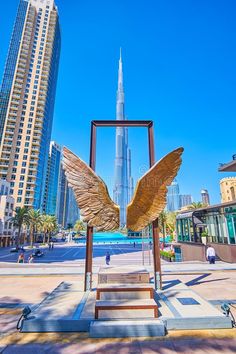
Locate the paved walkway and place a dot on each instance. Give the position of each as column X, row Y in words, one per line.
column 196, row 342
column 78, row 268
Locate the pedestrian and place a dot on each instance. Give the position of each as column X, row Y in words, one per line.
column 49, row 245
column 31, row 259
column 108, row 258
column 134, row 245
column 211, row 255
column 52, row 245
column 21, row 258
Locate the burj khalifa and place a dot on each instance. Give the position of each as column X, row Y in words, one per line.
column 123, row 186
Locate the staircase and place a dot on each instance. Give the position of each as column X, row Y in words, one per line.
column 127, row 308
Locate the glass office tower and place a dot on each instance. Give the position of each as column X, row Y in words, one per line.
column 27, row 98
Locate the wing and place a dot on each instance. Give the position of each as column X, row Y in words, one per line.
column 91, row 194
column 150, row 194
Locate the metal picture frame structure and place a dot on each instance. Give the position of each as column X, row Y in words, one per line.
column 92, row 163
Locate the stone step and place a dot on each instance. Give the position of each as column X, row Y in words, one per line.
column 112, row 309
column 124, row 291
column 127, row 328
column 130, row 275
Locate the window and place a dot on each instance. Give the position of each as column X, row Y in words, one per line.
column 12, row 184
column 22, row 178
column 23, row 170
column 24, row 157
column 14, row 170
column 21, row 185
column 26, row 151
column 13, row 177
column 20, row 192
column 18, row 200
column 23, row 164
column 27, row 144
column 16, row 156
column 15, row 163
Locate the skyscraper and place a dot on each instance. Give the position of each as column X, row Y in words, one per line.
column 27, row 98
column 173, row 197
column 51, row 191
column 67, row 208
column 123, row 186
column 185, row 199
column 205, row 197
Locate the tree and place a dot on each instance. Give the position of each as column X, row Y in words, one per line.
column 34, row 221
column 196, row 205
column 52, row 224
column 48, row 225
column 162, row 222
column 69, row 226
column 18, row 220
column 79, row 226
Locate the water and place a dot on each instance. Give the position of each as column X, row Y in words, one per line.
column 115, row 237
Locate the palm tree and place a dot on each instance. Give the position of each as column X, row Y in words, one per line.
column 34, row 220
column 18, row 220
column 45, row 222
column 196, row 205
column 79, row 226
column 52, row 224
column 162, row 222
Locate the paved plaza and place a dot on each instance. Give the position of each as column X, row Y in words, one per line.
column 28, row 284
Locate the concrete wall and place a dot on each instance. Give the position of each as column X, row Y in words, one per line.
column 193, row 251
column 226, row 253
column 197, row 251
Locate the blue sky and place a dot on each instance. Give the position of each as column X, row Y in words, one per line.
column 179, row 62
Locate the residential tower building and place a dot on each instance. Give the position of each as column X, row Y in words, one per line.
column 51, row 192
column 173, row 197
column 205, row 197
column 27, row 98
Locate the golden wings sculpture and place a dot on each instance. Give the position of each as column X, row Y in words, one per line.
column 96, row 206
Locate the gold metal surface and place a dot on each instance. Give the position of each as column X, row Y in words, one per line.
column 149, row 198
column 96, row 206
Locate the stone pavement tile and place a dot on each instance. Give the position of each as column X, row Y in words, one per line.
column 157, row 346
column 8, row 323
column 29, row 349
column 205, row 346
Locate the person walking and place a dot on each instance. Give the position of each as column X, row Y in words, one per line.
column 31, row 259
column 21, row 258
column 211, row 255
column 108, row 258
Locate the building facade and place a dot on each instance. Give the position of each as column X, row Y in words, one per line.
column 184, row 200
column 51, row 192
column 27, row 98
column 228, row 189
column 6, row 213
column 67, row 209
column 123, row 185
column 205, row 197
column 173, row 197
column 215, row 225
